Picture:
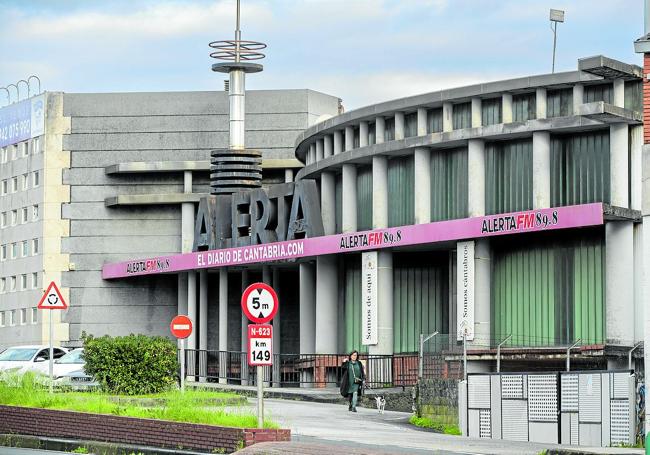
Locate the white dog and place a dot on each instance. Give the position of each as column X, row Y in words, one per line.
column 381, row 404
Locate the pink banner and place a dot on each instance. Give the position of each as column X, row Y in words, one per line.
column 441, row 231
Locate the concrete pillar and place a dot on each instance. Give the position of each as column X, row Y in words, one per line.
column 482, row 286
column 506, row 108
column 363, row 134
column 422, row 121
column 399, row 125
column 326, row 305
column 476, row 177
column 328, row 202
column 619, row 289
column 311, row 155
column 337, row 142
column 277, row 330
column 223, row 323
column 328, row 146
column 639, row 307
column 349, row 138
column 578, row 97
column 182, row 294
column 380, row 130
column 379, row 192
column 384, row 345
column 267, row 278
column 422, row 166
column 619, row 164
column 288, row 175
column 319, row 150
column 191, row 310
column 187, row 241
column 541, row 169
column 307, row 284
column 636, row 165
column 203, row 324
column 447, row 117
column 619, row 93
column 540, row 103
column 477, row 117
column 244, row 333
column 349, row 198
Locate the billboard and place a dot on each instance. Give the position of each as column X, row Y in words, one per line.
column 22, row 120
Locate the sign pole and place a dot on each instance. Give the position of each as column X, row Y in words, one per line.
column 260, row 396
column 183, row 365
column 51, row 361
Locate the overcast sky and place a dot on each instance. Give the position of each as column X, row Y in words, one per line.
column 363, row 51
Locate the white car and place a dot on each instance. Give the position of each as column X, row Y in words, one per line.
column 20, row 359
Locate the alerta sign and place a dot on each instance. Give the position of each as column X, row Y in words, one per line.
column 288, row 211
column 519, row 222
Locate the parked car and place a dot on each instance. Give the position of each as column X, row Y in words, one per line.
column 28, row 358
column 69, row 371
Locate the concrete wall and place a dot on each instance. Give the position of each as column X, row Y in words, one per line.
column 110, row 128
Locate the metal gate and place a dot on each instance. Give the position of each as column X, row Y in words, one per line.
column 594, row 408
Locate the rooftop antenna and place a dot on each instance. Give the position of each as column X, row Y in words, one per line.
column 236, row 168
column 556, row 16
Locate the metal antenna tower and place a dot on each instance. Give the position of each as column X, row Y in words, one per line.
column 236, row 168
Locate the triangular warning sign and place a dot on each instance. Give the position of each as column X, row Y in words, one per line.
column 52, row 299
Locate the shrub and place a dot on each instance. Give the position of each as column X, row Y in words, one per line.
column 131, row 365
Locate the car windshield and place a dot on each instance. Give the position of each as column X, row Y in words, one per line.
column 17, row 354
column 72, row 357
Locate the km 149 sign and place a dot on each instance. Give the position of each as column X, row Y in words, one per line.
column 260, row 344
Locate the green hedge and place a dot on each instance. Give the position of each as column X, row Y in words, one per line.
column 131, row 365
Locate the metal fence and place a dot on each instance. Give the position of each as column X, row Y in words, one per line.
column 317, row 370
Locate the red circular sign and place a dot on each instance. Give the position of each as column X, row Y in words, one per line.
column 259, row 303
column 181, row 326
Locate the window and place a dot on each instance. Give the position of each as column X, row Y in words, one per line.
column 25, row 248
column 4, row 154
column 3, row 252
column 34, row 246
column 12, row 317
column 24, row 148
column 14, row 250
column 23, row 281
column 14, row 217
column 14, row 184
column 12, row 284
column 23, row 215
column 3, row 285
column 34, row 315
column 2, row 318
column 34, row 280
column 36, row 178
column 5, row 187
column 3, row 219
column 14, row 152
column 34, row 212
column 36, row 145
column 25, row 181
column 23, row 316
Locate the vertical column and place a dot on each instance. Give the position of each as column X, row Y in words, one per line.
column 540, row 103
column 307, row 327
column 422, row 179
column 506, row 108
column 619, row 246
column 319, row 150
column 541, row 169
column 578, row 97
column 244, row 333
column 363, row 134
column 338, row 142
column 288, row 175
column 277, row 331
column 477, row 117
column 188, row 283
column 422, row 121
column 636, row 166
column 476, row 177
column 328, row 146
column 267, row 278
column 447, row 117
column 203, row 324
column 379, row 192
column 349, row 138
column 223, row 324
column 399, row 125
column 311, row 154
column 328, row 202
column 349, row 198
column 482, row 287
column 326, row 305
column 619, row 93
column 380, row 130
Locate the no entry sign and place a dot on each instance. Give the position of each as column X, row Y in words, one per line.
column 181, row 326
column 259, row 303
column 260, row 344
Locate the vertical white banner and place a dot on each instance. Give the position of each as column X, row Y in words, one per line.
column 465, row 290
column 369, row 298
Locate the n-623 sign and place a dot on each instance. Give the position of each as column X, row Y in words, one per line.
column 260, row 344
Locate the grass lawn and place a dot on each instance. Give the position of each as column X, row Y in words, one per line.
column 189, row 406
column 440, row 427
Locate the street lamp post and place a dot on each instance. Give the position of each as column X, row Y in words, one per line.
column 556, row 16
